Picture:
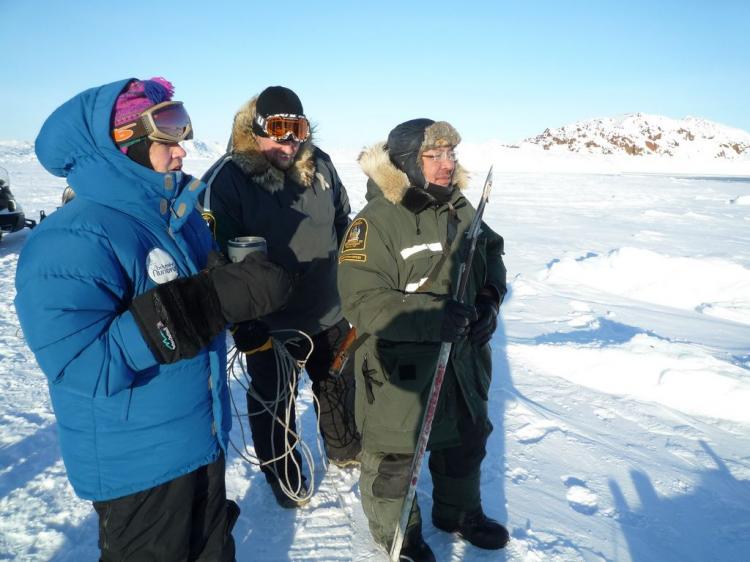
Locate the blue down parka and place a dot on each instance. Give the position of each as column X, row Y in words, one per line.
column 126, row 423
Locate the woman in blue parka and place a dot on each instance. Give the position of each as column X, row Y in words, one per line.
column 124, row 306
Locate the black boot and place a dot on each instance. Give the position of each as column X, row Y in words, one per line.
column 285, row 501
column 414, row 549
column 477, row 528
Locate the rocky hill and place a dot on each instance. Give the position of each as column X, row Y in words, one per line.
column 640, row 134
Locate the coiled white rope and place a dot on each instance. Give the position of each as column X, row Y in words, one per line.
column 288, row 369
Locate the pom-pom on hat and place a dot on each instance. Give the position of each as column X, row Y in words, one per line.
column 138, row 96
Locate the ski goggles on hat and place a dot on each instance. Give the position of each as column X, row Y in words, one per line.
column 166, row 122
column 284, row 126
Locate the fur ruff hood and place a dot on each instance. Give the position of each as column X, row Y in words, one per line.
column 394, row 184
column 247, row 155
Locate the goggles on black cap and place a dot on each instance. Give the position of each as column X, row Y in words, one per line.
column 167, row 122
column 283, row 126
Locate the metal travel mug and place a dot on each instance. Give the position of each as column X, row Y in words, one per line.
column 239, row 247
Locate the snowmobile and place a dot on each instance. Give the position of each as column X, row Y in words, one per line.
column 12, row 217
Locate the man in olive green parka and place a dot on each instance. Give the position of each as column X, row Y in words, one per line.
column 398, row 267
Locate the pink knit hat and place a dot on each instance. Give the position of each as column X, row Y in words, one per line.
column 137, row 97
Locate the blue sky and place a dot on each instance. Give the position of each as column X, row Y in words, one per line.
column 496, row 70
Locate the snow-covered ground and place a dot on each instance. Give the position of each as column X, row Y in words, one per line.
column 621, row 391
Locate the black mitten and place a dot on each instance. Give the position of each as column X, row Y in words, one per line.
column 251, row 288
column 488, row 306
column 251, row 337
column 181, row 317
column 457, row 318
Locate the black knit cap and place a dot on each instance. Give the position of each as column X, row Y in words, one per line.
column 276, row 100
column 403, row 145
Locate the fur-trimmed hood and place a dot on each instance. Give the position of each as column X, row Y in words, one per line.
column 247, row 155
column 394, row 184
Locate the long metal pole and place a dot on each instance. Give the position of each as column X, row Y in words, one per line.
column 437, row 381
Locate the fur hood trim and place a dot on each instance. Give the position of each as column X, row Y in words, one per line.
column 247, row 155
column 377, row 166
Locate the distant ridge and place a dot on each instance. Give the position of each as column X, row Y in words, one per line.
column 14, row 151
column 640, row 134
column 637, row 141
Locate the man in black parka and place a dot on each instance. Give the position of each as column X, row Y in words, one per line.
column 274, row 183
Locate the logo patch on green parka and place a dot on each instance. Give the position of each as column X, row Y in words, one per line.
column 356, row 236
column 355, row 242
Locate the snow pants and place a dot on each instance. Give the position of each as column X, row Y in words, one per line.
column 185, row 519
column 455, row 472
column 335, row 407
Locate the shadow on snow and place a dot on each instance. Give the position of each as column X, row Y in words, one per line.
column 710, row 521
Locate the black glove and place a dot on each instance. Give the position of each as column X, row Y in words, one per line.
column 487, row 306
column 181, row 317
column 251, row 288
column 457, row 318
column 251, row 337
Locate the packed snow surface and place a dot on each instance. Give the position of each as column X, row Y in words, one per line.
column 620, row 392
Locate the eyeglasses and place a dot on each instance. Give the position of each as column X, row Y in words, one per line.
column 166, row 122
column 284, row 126
column 441, row 156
